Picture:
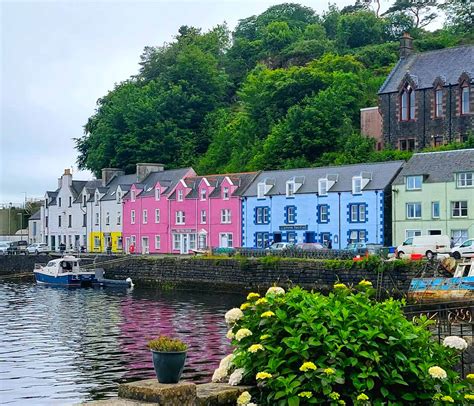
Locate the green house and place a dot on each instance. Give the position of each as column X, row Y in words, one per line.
column 434, row 194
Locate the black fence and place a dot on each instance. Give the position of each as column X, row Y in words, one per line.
column 285, row 253
column 451, row 319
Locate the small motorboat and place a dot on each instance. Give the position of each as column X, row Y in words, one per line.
column 458, row 287
column 65, row 271
column 111, row 283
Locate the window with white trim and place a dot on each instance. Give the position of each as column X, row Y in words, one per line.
column 225, row 193
column 132, row 216
column 357, row 236
column 290, row 188
column 435, row 210
column 439, row 103
column 412, row 233
column 465, row 179
column 202, row 241
column 414, row 182
column 180, row 195
column 107, row 219
column 291, row 214
column 97, row 219
column 226, row 240
column 323, row 187
column 465, row 105
column 356, row 185
column 203, row 194
column 157, row 193
column 145, row 216
column 414, row 210
column 157, row 216
column 225, row 216
column 133, row 195
column 176, row 242
column 119, row 196
column 180, row 217
column 157, row 242
column 192, row 241
column 358, row 213
column 459, row 208
column 119, row 218
column 261, row 191
column 203, row 217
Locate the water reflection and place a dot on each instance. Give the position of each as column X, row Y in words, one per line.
column 60, row 346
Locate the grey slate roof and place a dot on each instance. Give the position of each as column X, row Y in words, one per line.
column 382, row 174
column 122, row 180
column 425, row 67
column 36, row 215
column 437, row 166
column 90, row 186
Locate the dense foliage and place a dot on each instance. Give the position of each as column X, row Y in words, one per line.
column 305, row 348
column 167, row 344
column 283, row 90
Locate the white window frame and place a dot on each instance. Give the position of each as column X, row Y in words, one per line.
column 291, row 214
column 465, row 179
column 202, row 241
column 119, row 196
column 323, row 213
column 438, row 103
column 225, row 193
column 261, row 190
column 323, row 187
column 97, row 219
column 410, row 233
column 180, row 195
column 145, row 216
column 180, row 217
column 226, row 216
column 157, row 242
column 357, row 185
column 203, row 194
column 157, row 216
column 203, row 217
column 107, row 219
column 119, row 218
column 132, row 217
column 192, row 241
column 96, row 241
column 465, row 100
column 414, row 204
column 290, row 188
column 157, row 194
column 433, row 205
column 230, row 240
column 411, row 182
column 176, row 242
column 459, row 209
column 133, row 195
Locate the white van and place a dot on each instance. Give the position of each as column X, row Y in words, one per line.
column 428, row 245
column 466, row 249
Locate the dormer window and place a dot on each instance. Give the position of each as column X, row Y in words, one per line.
column 414, row 182
column 465, row 96
column 84, row 200
column 261, row 191
column 203, row 194
column 157, row 194
column 180, row 195
column 97, row 197
column 133, row 195
column 438, row 103
column 323, row 187
column 356, row 185
column 225, row 193
column 290, row 188
column 407, row 104
column 119, row 196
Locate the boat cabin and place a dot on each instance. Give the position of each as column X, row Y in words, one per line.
column 464, row 269
column 64, row 265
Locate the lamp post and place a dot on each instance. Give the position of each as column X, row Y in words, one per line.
column 21, row 224
column 9, row 217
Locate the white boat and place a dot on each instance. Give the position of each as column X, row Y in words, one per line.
column 64, row 271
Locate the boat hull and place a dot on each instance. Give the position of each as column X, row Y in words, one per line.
column 66, row 279
column 432, row 290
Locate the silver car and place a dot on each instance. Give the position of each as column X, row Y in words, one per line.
column 37, row 248
column 4, row 247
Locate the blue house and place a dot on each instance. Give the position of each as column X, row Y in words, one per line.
column 341, row 204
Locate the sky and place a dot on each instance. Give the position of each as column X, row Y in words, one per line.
column 58, row 57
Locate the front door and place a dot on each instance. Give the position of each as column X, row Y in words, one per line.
column 145, row 245
column 53, row 243
column 310, row 236
column 184, row 244
column 276, row 237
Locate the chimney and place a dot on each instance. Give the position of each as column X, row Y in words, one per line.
column 66, row 179
column 406, row 45
column 144, row 169
column 109, row 173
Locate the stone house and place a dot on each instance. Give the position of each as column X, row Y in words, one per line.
column 434, row 194
column 428, row 98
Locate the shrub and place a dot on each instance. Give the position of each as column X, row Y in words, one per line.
column 167, row 344
column 345, row 348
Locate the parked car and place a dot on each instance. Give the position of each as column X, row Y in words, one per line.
column 38, row 248
column 280, row 246
column 429, row 245
column 4, row 247
column 309, row 246
column 466, row 249
column 17, row 247
column 358, row 248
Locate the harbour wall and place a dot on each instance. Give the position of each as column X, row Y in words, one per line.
column 239, row 274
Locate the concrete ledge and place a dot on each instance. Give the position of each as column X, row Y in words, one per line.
column 180, row 394
column 214, row 394
column 117, row 402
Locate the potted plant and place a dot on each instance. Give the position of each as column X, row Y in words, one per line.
column 169, row 356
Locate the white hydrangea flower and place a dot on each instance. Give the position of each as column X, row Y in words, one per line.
column 236, row 376
column 251, row 404
column 233, row 315
column 226, row 362
column 455, row 342
column 275, row 290
column 230, row 335
column 219, row 375
column 437, row 372
column 244, row 399
column 242, row 333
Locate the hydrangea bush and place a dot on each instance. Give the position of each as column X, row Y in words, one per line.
column 303, row 348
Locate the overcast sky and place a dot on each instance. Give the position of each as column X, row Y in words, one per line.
column 59, row 57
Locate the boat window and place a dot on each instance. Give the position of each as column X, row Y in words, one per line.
column 50, row 264
column 467, row 268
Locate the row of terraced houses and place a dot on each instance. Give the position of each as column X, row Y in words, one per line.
column 175, row 211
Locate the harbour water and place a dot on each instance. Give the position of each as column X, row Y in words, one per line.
column 63, row 346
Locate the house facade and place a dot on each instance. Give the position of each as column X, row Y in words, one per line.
column 35, row 229
column 146, row 210
column 428, row 98
column 434, row 194
column 339, row 204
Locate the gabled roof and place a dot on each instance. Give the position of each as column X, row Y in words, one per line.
column 89, row 185
column 382, row 174
column 36, row 215
column 125, row 181
column 437, row 166
column 77, row 186
column 425, row 67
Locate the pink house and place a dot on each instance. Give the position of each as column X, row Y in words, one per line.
column 146, row 211
column 206, row 211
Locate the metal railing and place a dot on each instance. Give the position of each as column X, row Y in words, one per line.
column 294, row 253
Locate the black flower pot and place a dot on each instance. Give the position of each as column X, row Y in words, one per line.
column 168, row 365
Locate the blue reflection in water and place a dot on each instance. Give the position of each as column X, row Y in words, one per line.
column 63, row 346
